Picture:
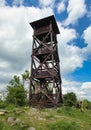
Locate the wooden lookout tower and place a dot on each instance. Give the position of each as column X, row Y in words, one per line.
column 45, row 79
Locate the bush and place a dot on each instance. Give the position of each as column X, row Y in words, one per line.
column 87, row 104
column 63, row 126
column 70, row 99
column 1, row 125
column 69, row 103
column 17, row 94
column 59, row 111
column 10, row 107
column 2, row 104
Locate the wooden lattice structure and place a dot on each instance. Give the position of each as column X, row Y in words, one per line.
column 45, row 79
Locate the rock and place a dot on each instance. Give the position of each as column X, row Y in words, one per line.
column 23, row 125
column 17, row 121
column 2, row 113
column 31, row 128
column 41, row 119
column 11, row 120
column 2, row 110
column 18, row 112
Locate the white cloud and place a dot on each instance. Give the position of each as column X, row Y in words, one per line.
column 86, row 88
column 18, row 2
column 87, row 35
column 46, row 3
column 76, row 9
column 86, row 85
column 70, row 85
column 13, row 36
column 72, row 59
column 73, row 86
column 16, row 38
column 33, row 13
column 89, row 12
column 2, row 3
column 71, row 56
column 87, row 38
column 82, row 90
column 67, row 34
column 60, row 7
column 3, row 65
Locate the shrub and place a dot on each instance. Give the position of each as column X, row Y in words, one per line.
column 1, row 125
column 2, row 104
column 17, row 94
column 70, row 99
column 63, row 126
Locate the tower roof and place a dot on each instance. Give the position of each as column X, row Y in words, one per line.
column 46, row 21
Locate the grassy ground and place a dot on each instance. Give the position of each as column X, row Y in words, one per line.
column 63, row 118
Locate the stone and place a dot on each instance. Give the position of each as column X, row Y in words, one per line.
column 18, row 112
column 23, row 125
column 17, row 121
column 31, row 128
column 41, row 119
column 2, row 113
column 10, row 120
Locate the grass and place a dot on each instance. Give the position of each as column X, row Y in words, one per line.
column 63, row 118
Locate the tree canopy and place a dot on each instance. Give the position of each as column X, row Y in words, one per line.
column 16, row 92
column 70, row 99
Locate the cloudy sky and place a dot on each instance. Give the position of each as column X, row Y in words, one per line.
column 74, row 41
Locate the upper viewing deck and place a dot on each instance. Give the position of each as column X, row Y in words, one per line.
column 45, row 22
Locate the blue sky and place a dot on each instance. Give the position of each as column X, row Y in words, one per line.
column 74, row 42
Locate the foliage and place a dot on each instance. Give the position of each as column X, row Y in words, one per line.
column 62, row 125
column 87, row 104
column 25, row 76
column 16, row 92
column 2, row 104
column 70, row 99
column 5, row 126
column 1, row 125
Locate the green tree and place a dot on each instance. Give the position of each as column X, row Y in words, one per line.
column 70, row 99
column 25, row 76
column 86, row 104
column 16, row 92
column 2, row 104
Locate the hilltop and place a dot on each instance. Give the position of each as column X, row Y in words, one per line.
column 63, row 118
